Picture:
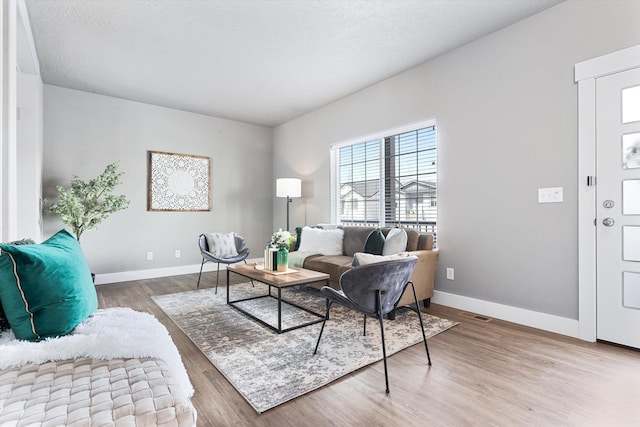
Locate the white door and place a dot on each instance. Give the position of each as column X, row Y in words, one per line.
column 618, row 207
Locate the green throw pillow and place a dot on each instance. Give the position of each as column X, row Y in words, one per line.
column 374, row 243
column 46, row 289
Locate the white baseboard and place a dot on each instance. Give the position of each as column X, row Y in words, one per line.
column 534, row 319
column 127, row 276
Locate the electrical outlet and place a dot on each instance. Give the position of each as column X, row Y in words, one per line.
column 177, row 253
column 450, row 275
column 149, row 256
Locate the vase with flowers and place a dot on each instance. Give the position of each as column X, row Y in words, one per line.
column 281, row 240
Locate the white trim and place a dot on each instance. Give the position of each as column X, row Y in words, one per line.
column 586, row 73
column 586, row 210
column 127, row 276
column 32, row 64
column 388, row 132
column 611, row 63
column 534, row 319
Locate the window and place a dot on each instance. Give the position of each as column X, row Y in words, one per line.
column 387, row 180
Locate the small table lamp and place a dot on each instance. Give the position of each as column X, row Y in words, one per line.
column 289, row 188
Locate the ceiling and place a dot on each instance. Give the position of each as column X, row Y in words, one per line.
column 257, row 61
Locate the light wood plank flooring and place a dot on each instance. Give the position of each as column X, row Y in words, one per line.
column 483, row 374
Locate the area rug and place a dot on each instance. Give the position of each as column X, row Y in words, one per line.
column 268, row 368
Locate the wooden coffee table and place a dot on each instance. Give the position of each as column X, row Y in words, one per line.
column 299, row 276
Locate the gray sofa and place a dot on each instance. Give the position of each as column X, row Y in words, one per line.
column 418, row 243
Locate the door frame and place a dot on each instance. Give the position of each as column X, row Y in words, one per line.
column 586, row 73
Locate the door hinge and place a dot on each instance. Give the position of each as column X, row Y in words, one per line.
column 591, row 181
column 595, row 221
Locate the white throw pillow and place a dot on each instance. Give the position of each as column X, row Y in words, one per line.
column 395, row 242
column 362, row 258
column 222, row 245
column 319, row 241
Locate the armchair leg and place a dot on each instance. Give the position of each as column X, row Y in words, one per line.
column 326, row 317
column 217, row 275
column 384, row 350
column 364, row 329
column 199, row 275
column 424, row 337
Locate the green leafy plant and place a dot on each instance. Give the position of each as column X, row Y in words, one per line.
column 84, row 205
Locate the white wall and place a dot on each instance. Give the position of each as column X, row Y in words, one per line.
column 84, row 132
column 21, row 125
column 506, row 110
column 29, row 156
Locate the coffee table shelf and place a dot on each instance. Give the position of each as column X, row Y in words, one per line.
column 300, row 277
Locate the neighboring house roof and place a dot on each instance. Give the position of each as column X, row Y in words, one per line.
column 369, row 188
column 420, row 187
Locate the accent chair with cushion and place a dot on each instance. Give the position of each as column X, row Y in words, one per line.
column 221, row 248
column 375, row 290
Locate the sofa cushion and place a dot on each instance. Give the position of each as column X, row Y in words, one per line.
column 375, row 243
column 395, row 242
column 362, row 258
column 46, row 290
column 319, row 241
column 330, row 264
column 413, row 236
column 355, row 238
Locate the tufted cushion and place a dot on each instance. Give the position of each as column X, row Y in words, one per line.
column 319, row 241
column 375, row 243
column 46, row 289
column 396, row 242
column 222, row 245
column 84, row 392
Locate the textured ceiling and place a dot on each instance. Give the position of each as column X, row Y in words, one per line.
column 262, row 62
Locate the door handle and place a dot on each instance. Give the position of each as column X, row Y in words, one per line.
column 608, row 222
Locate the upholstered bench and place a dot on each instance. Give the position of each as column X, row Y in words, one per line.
column 104, row 373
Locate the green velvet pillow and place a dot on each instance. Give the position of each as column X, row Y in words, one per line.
column 374, row 243
column 46, row 289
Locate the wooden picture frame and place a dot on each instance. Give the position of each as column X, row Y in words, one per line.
column 178, row 182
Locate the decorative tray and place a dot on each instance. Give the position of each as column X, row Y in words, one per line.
column 276, row 273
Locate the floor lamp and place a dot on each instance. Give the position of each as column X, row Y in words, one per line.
column 289, row 188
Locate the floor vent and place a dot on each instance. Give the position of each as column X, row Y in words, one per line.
column 475, row 316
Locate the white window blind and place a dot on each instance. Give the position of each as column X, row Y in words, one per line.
column 387, row 180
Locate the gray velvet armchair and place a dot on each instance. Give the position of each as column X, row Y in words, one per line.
column 243, row 253
column 374, row 290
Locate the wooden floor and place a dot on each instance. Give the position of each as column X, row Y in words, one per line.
column 483, row 374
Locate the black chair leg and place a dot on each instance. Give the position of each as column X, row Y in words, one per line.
column 364, row 329
column 426, row 347
column 217, row 275
column 326, row 317
column 384, row 349
column 200, row 275
column 245, row 261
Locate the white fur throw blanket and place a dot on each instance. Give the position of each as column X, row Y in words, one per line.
column 114, row 333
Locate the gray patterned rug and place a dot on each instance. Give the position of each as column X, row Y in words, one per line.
column 269, row 369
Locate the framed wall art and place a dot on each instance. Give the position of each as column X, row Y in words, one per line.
column 178, row 182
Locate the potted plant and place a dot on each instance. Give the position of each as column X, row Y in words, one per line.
column 84, row 205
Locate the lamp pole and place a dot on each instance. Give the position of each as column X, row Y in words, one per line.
column 289, row 200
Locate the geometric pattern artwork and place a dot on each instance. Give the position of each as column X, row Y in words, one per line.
column 178, row 182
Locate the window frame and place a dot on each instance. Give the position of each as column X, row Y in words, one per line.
column 380, row 136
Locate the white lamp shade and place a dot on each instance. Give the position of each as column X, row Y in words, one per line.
column 291, row 187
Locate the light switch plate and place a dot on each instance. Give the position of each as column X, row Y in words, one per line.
column 550, row 195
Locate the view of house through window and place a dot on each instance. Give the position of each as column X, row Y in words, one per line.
column 389, row 181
